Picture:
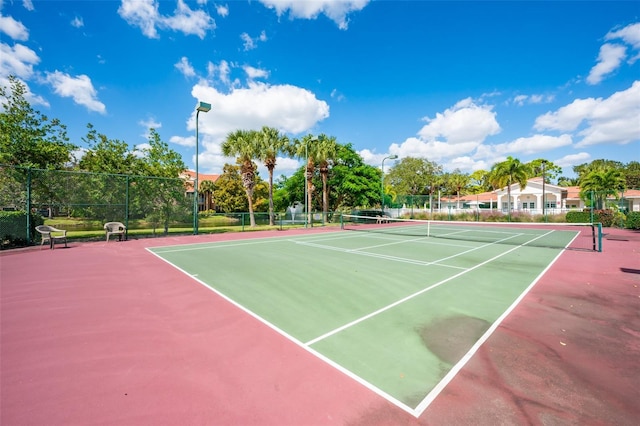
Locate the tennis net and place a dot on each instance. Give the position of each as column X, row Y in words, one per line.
column 576, row 236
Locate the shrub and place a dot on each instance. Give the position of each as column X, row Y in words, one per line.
column 633, row 220
column 13, row 226
column 578, row 217
column 606, row 217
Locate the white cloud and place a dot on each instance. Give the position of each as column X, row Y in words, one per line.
column 629, row 34
column 253, row 73
column 467, row 163
column 222, row 10
column 14, row 29
column 183, row 141
column 251, row 43
column 610, row 120
column 568, row 117
column 521, row 100
column 464, row 123
column 336, row 10
column 612, row 55
column 185, row 67
column 190, row 22
column 145, row 14
column 77, row 22
column 17, row 60
column 28, row 95
column 572, row 160
column 288, row 108
column 375, row 159
column 609, row 60
column 149, row 124
column 141, row 13
column 524, row 145
column 79, row 88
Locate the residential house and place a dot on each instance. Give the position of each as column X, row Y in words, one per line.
column 189, row 177
column 557, row 199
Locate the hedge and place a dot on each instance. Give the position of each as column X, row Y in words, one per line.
column 13, row 226
column 633, row 220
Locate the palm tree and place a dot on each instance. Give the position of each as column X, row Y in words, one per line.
column 207, row 187
column 602, row 183
column 325, row 152
column 272, row 143
column 244, row 144
column 306, row 148
column 507, row 173
column 458, row 181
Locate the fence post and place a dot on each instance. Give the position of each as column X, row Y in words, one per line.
column 28, row 206
column 126, row 210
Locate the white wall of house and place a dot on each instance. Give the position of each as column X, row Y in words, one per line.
column 530, row 199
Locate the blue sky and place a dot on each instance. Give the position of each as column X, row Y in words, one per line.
column 462, row 83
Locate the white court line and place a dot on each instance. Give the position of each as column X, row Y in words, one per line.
column 297, row 342
column 436, row 390
column 379, row 256
column 359, row 251
column 404, row 299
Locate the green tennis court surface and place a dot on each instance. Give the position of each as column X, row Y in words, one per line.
column 398, row 313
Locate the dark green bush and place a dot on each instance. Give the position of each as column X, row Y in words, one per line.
column 578, row 217
column 633, row 220
column 13, row 227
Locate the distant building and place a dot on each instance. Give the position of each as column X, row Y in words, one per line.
column 557, row 199
column 189, row 177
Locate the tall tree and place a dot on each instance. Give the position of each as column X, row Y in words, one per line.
column 307, row 148
column 601, row 184
column 509, row 172
column 632, row 175
column 326, row 152
column 207, row 187
column 106, row 155
column 27, row 137
column 582, row 170
column 165, row 191
column 457, row 182
column 541, row 166
column 353, row 183
column 478, row 182
column 230, row 194
column 272, row 144
column 245, row 145
column 415, row 176
column 565, row 181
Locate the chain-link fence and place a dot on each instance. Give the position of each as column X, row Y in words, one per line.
column 82, row 202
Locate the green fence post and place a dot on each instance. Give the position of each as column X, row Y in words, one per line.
column 126, row 210
column 28, row 206
column 599, row 237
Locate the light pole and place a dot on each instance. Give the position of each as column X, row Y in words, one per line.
column 391, row 157
column 307, row 194
column 544, row 201
column 204, row 107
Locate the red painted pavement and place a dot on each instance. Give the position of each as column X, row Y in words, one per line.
column 108, row 334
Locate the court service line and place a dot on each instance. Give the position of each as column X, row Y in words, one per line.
column 402, row 259
column 411, row 296
column 379, row 256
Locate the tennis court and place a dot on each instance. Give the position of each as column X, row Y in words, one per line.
column 399, row 308
column 109, row 333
